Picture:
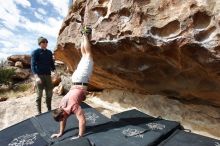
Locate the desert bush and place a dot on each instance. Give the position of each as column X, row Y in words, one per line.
column 23, row 87
column 6, row 75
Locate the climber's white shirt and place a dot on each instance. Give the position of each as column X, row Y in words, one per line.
column 83, row 70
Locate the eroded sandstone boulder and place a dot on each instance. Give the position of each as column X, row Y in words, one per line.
column 59, row 90
column 19, row 64
column 149, row 46
column 3, row 99
column 56, row 79
column 21, row 74
column 24, row 59
column 10, row 63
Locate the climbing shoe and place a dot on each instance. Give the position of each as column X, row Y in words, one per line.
column 86, row 30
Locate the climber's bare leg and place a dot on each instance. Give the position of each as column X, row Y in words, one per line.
column 82, row 49
column 87, row 46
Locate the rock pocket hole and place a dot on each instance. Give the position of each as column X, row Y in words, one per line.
column 203, row 35
column 193, row 6
column 101, row 11
column 142, row 2
column 201, row 20
column 82, row 13
column 168, row 30
column 126, row 33
column 102, row 1
column 125, row 12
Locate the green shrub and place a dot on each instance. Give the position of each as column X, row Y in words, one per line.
column 6, row 75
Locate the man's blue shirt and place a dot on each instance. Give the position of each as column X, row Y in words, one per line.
column 42, row 62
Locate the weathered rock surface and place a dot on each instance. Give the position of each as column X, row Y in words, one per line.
column 10, row 63
column 56, row 79
column 24, row 59
column 66, row 82
column 21, row 74
column 3, row 99
column 4, row 88
column 59, row 90
column 19, row 64
column 149, row 46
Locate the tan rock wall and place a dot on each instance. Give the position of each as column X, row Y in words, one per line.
column 161, row 47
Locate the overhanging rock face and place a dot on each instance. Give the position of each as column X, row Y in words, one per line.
column 152, row 46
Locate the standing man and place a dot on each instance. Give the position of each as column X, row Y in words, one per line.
column 41, row 65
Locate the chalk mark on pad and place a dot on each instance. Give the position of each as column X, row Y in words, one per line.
column 129, row 132
column 155, row 126
column 92, row 117
column 24, row 140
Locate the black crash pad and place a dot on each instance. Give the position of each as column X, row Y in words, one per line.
column 47, row 126
column 78, row 142
column 130, row 128
column 162, row 128
column 21, row 134
column 182, row 138
column 121, row 134
column 132, row 116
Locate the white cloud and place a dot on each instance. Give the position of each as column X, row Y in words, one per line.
column 5, row 33
column 18, row 44
column 42, row 11
column 23, row 47
column 3, row 56
column 11, row 18
column 61, row 6
column 43, row 2
column 23, row 3
column 18, row 34
column 38, row 16
column 6, row 44
column 9, row 14
column 50, row 28
column 5, row 36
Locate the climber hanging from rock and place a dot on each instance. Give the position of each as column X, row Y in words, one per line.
column 70, row 104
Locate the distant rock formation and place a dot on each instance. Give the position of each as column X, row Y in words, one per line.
column 59, row 90
column 21, row 74
column 20, row 61
column 149, row 46
column 21, row 65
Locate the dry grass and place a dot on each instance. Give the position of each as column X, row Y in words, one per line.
column 19, row 91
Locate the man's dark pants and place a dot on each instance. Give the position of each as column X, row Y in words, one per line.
column 46, row 83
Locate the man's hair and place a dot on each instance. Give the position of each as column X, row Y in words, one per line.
column 58, row 114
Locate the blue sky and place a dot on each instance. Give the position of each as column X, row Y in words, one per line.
column 23, row 21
